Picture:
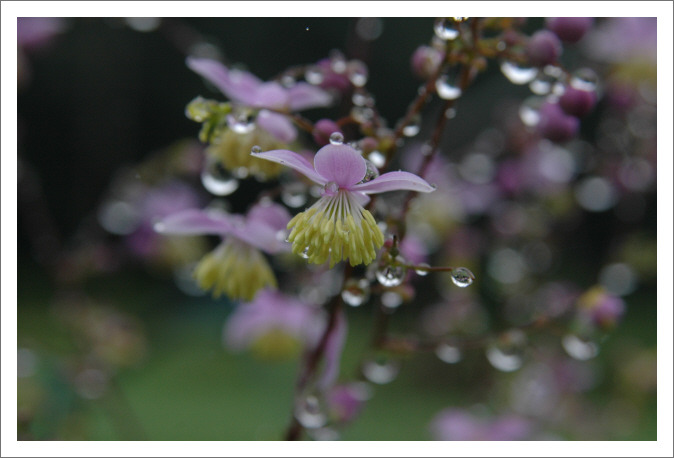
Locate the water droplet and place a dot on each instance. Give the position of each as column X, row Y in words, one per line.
column 462, row 277
column 413, row 127
column 358, row 73
column 450, row 113
column 362, row 114
column 447, row 90
column 310, row 412
column 217, row 180
column 445, row 29
column 584, row 79
column 336, row 138
column 542, row 84
column 371, row 172
column 448, row 353
column 305, row 253
column 579, row 348
column 288, row 81
column 241, row 172
column 294, row 195
column 529, row 111
column 337, row 62
column 422, row 272
column 241, row 121
column 256, row 150
column 377, row 158
column 391, row 300
column 380, row 370
column 314, row 75
column 356, row 292
column 507, row 354
column 389, row 275
column 331, row 187
column 518, row 74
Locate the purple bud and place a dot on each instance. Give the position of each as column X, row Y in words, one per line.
column 607, row 311
column 323, row 129
column 556, row 125
column 543, row 48
column 425, row 61
column 577, row 102
column 570, row 29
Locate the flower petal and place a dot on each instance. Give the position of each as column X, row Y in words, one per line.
column 294, row 161
column 273, row 215
column 341, row 164
column 271, row 95
column 238, row 85
column 278, row 125
column 394, row 181
column 304, row 96
column 196, row 222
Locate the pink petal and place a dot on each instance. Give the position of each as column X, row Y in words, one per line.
column 278, row 125
column 273, row 215
column 304, row 96
column 262, row 236
column 341, row 164
column 394, row 181
column 239, row 86
column 294, row 161
column 196, row 222
column 270, row 95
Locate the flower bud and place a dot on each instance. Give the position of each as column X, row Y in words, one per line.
column 425, row 61
column 569, row 29
column 577, row 102
column 556, row 125
column 543, row 48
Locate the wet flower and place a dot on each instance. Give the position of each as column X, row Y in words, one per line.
column 544, row 48
column 569, row 29
column 237, row 266
column 258, row 116
column 337, row 227
column 273, row 326
column 460, row 425
column 554, row 124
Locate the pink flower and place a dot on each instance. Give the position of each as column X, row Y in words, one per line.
column 236, row 267
column 246, row 89
column 273, row 326
column 337, row 227
column 460, row 425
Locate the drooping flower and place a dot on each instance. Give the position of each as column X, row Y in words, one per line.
column 337, row 227
column 237, row 266
column 267, row 102
column 274, row 326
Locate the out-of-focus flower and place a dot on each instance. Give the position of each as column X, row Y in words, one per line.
column 236, row 267
column 337, row 227
column 336, row 74
column 267, row 102
column 425, row 61
column 346, row 401
column 543, row 48
column 569, row 29
column 273, row 326
column 554, row 124
column 577, row 102
column 33, row 34
column 323, row 129
column 603, row 309
column 460, row 425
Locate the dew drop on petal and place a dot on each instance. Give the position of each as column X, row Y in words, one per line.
column 371, row 172
column 448, row 353
column 310, row 412
column 462, row 277
column 336, row 138
column 256, row 150
column 580, row 348
column 518, row 74
column 380, row 370
column 445, row 29
column 217, row 180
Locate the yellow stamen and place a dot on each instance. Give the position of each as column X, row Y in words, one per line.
column 235, row 269
column 336, row 228
column 232, row 149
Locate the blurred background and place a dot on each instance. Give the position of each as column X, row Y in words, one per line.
column 116, row 343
